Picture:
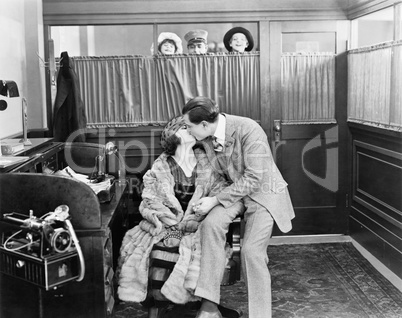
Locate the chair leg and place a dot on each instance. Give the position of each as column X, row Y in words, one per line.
column 235, row 236
column 156, row 312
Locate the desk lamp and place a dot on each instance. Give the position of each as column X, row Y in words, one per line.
column 10, row 89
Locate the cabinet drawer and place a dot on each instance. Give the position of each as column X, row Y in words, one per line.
column 50, row 163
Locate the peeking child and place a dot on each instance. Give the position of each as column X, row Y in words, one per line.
column 168, row 44
column 238, row 40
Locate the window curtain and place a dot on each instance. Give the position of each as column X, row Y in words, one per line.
column 396, row 109
column 374, row 85
column 130, row 91
column 308, row 88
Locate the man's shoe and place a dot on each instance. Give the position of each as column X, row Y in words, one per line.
column 230, row 313
column 205, row 314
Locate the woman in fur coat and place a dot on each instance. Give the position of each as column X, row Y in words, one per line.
column 180, row 176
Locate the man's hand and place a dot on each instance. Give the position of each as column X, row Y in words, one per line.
column 204, row 205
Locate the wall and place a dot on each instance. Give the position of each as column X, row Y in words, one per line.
column 12, row 63
column 59, row 12
column 376, row 207
column 21, row 42
column 23, row 37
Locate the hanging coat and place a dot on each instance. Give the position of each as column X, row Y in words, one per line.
column 69, row 112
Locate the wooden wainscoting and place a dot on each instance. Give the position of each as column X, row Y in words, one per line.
column 376, row 206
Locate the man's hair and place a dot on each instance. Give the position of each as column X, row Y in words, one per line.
column 201, row 108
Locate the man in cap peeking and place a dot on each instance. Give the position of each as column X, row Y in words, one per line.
column 197, row 41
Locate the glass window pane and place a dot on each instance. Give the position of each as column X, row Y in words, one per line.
column 106, row 40
column 216, row 32
column 304, row 42
column 375, row 28
column 102, row 40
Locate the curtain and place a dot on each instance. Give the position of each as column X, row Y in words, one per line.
column 126, row 91
column 396, row 109
column 308, row 87
column 374, row 85
column 116, row 91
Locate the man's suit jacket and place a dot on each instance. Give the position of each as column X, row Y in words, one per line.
column 246, row 160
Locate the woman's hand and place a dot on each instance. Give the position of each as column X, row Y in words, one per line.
column 204, row 205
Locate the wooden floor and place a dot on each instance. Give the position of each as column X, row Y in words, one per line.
column 311, row 239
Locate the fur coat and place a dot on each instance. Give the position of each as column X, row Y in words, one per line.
column 161, row 211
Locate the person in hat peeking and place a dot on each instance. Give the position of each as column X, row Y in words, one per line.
column 238, row 40
column 197, row 41
column 168, row 44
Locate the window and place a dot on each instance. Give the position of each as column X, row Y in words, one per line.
column 102, row 40
column 374, row 71
column 110, row 40
column 373, row 28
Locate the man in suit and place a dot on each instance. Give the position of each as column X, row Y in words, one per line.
column 237, row 147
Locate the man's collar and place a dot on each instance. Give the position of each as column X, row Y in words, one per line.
column 221, row 129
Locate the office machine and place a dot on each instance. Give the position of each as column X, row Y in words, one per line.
column 43, row 251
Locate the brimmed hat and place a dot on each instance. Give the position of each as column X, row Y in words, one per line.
column 229, row 34
column 171, row 128
column 169, row 36
column 194, row 36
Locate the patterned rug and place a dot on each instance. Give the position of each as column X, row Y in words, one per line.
column 330, row 280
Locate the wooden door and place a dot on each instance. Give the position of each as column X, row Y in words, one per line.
column 311, row 156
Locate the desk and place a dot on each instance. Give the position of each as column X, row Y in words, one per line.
column 93, row 297
column 43, row 154
column 36, row 143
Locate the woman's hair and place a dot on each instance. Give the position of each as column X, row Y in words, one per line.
column 169, row 141
column 170, row 145
column 169, row 41
column 201, row 108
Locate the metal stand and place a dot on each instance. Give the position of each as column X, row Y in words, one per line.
column 25, row 139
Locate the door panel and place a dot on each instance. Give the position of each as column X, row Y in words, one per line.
column 312, row 156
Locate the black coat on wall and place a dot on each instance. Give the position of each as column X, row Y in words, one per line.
column 69, row 112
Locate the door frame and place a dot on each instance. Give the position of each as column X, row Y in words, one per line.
column 341, row 28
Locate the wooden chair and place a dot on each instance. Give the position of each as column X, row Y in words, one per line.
column 160, row 269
